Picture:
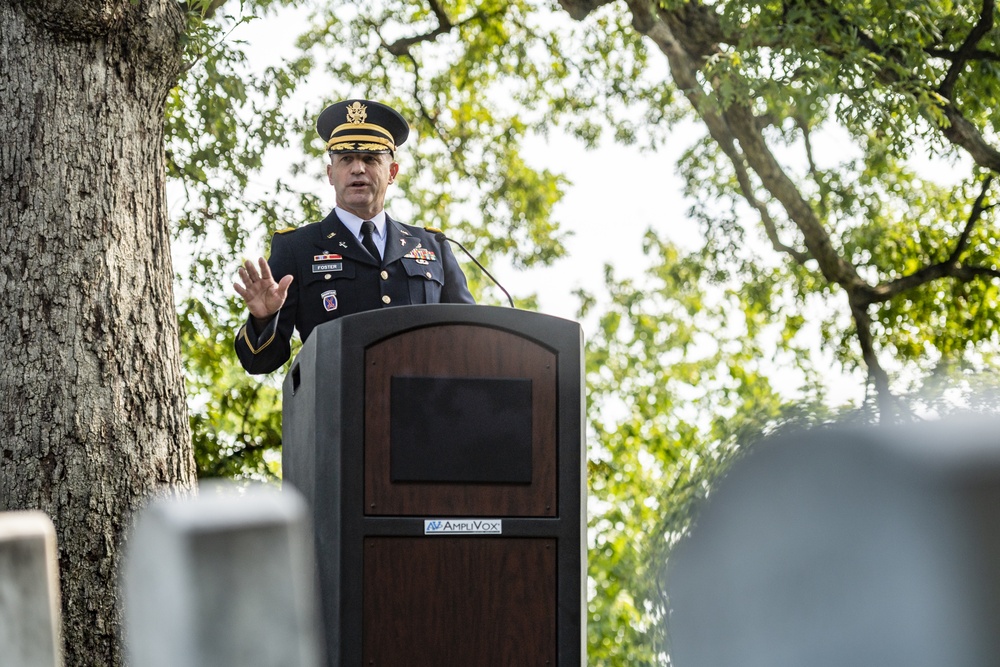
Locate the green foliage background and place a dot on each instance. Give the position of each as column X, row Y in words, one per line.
column 842, row 179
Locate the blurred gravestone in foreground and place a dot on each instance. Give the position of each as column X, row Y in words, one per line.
column 847, row 548
column 30, row 620
column 224, row 579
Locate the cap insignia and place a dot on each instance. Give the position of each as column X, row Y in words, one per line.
column 357, row 113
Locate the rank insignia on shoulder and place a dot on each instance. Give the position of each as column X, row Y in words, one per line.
column 330, row 300
column 326, row 257
column 285, row 230
column 421, row 255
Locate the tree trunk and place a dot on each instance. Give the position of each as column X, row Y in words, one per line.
column 91, row 391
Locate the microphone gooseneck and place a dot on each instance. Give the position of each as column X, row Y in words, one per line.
column 440, row 236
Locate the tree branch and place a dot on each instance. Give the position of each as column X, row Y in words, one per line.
column 974, row 54
column 950, row 268
column 887, row 291
column 958, row 130
column 811, row 161
column 978, row 207
column 983, row 26
column 423, row 111
column 579, row 9
column 402, row 46
column 962, row 133
column 719, row 126
column 738, row 133
column 876, row 374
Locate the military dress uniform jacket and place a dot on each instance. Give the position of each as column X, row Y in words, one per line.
column 336, row 276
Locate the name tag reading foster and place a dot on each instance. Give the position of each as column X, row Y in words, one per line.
column 328, row 266
column 327, row 262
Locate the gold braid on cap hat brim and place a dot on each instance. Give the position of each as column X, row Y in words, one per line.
column 338, row 142
column 353, row 147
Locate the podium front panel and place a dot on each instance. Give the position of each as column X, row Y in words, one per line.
column 431, row 601
column 469, row 355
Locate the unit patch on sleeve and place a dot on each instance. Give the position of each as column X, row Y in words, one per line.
column 330, row 300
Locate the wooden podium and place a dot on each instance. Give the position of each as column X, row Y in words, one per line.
column 441, row 450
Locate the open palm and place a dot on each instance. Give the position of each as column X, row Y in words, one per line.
column 263, row 295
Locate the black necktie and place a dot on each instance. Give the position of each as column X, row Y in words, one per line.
column 367, row 227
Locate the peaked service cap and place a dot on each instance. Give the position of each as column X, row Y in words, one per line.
column 362, row 126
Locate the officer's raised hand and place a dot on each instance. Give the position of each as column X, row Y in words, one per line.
column 263, row 296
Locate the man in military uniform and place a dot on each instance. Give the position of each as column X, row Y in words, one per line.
column 356, row 259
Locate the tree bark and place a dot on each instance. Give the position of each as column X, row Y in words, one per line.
column 91, row 391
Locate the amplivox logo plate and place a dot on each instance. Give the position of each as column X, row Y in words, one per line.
column 463, row 526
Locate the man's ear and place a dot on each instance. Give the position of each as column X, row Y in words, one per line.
column 393, row 170
column 329, row 173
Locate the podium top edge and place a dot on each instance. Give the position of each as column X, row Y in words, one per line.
column 398, row 319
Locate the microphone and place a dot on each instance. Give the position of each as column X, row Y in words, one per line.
column 441, row 238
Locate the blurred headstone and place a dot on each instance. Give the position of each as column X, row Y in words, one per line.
column 222, row 579
column 30, row 620
column 847, row 547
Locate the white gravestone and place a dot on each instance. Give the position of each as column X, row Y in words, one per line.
column 30, row 620
column 847, row 547
column 223, row 579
